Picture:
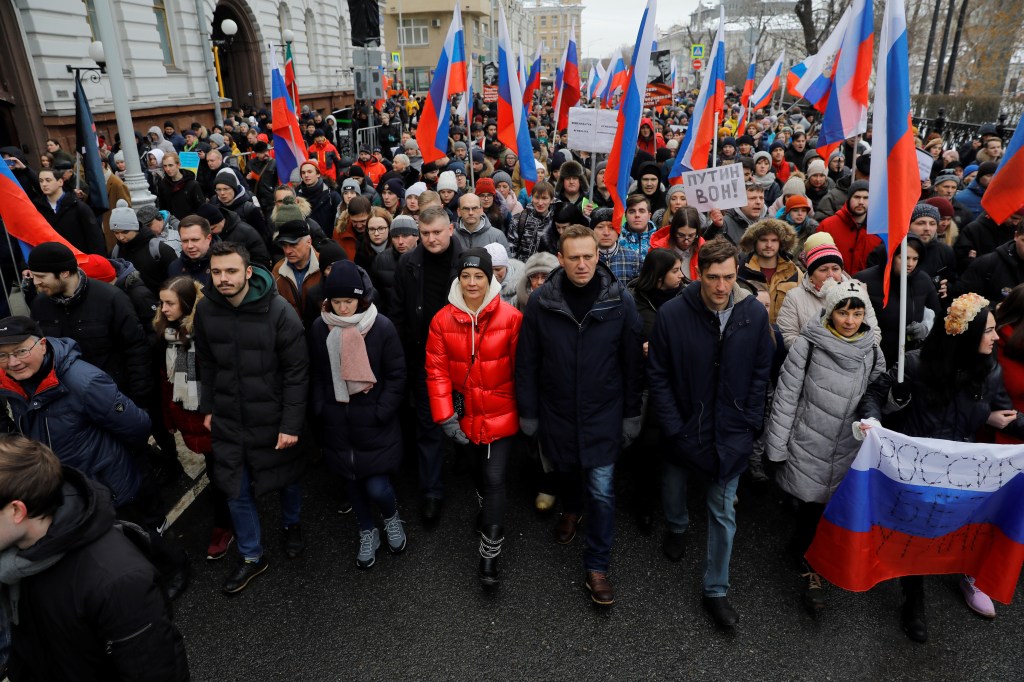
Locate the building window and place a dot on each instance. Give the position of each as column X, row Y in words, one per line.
column 160, row 10
column 311, row 40
column 413, row 32
column 284, row 20
column 544, row 21
column 554, row 21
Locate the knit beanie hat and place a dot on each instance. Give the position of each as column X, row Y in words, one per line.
column 404, row 225
column 329, row 252
column 396, row 187
column 794, row 186
column 973, row 168
column 673, row 189
column 484, row 186
column 857, row 186
column 501, row 176
column 345, row 281
column 123, row 219
column 416, row 189
column 227, row 179
column 52, row 257
column 797, row 201
column 210, row 212
column 476, row 258
column 146, row 215
column 816, row 167
column 762, row 155
column 987, row 168
column 499, row 256
column 927, row 210
column 351, row 184
column 605, row 215
column 460, row 145
column 946, row 176
column 836, row 292
column 946, row 209
column 457, row 168
column 447, row 181
column 820, row 249
column 287, row 212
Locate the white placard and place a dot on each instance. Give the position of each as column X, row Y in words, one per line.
column 720, row 188
column 592, row 130
column 924, row 164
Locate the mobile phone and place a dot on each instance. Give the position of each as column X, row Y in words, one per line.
column 11, row 162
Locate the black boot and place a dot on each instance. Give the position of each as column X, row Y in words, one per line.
column 491, row 538
column 915, row 624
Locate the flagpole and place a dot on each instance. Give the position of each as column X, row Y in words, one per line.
column 593, row 173
column 714, row 144
column 903, row 311
column 853, row 160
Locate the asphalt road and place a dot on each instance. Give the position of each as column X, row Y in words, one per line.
column 422, row 615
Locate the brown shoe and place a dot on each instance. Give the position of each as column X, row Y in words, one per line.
column 600, row 588
column 565, row 530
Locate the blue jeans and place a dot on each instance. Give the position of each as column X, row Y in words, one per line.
column 600, row 525
column 245, row 515
column 372, row 489
column 429, row 440
column 721, row 523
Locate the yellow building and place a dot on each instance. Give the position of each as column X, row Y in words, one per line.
column 553, row 19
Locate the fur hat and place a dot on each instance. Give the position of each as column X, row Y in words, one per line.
column 837, row 292
column 783, row 230
column 570, row 169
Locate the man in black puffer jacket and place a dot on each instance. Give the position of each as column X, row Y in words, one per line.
column 254, row 363
column 150, row 258
column 97, row 315
column 234, row 197
column 403, row 236
column 88, row 605
column 995, row 274
column 228, row 227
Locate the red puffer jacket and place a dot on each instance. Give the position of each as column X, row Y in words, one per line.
column 476, row 358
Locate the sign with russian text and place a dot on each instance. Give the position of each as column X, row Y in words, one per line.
column 720, row 188
column 592, row 130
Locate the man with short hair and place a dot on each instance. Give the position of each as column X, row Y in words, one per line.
column 194, row 261
column 767, row 246
column 422, row 282
column 227, row 226
column 639, row 227
column 299, row 270
column 849, row 228
column 579, row 379
column 710, row 404
column 737, row 220
column 88, row 605
column 624, row 263
column 69, row 217
column 474, row 230
column 251, row 352
column 938, row 259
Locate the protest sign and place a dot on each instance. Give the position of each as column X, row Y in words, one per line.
column 592, row 130
column 924, row 164
column 720, row 188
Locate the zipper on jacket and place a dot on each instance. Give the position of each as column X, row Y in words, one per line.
column 112, row 642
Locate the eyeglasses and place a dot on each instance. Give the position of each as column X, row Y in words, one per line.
column 21, row 353
column 376, row 230
column 686, row 238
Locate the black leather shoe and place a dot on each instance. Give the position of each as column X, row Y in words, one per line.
column 722, row 612
column 243, row 575
column 491, row 539
column 293, row 542
column 178, row 583
column 674, row 546
column 430, row 509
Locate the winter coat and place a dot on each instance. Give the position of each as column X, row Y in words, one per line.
column 970, row 197
column 736, row 223
column 284, row 280
column 1013, row 379
column 853, row 240
column 140, row 253
column 637, row 242
column 406, row 309
column 787, row 276
column 240, row 232
column 958, row 419
column 923, row 296
column 76, row 222
column 254, row 367
column 804, row 303
column 80, row 413
column 474, row 354
column 510, row 285
column 179, row 198
column 834, row 200
column 262, row 177
column 580, row 379
column 382, row 272
column 361, row 438
column 660, row 240
column 993, row 275
column 710, row 399
column 525, row 231
column 813, row 408
column 323, row 203
column 97, row 614
column 101, row 318
column 247, row 211
column 484, row 234
column 981, row 236
column 199, row 270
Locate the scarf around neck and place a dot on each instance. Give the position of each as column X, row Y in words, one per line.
column 346, row 349
column 181, row 370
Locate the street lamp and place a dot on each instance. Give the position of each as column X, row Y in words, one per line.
column 229, row 28
column 96, row 54
column 288, row 35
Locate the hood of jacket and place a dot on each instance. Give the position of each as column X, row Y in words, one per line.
column 85, row 515
column 257, row 299
column 484, row 225
column 456, row 298
column 848, row 355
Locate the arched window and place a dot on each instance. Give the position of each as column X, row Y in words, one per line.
column 284, row 20
column 163, row 31
column 311, row 46
column 345, row 41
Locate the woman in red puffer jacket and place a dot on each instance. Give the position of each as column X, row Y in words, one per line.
column 470, row 352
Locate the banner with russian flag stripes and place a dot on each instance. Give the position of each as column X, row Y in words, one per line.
column 921, row 506
column 1005, row 193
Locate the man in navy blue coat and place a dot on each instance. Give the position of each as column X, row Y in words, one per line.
column 708, row 364
column 579, row 381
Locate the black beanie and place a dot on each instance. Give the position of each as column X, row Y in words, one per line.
column 857, row 186
column 52, row 257
column 345, row 281
column 476, row 258
column 227, row 178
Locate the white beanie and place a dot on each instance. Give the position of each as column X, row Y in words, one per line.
column 835, row 292
column 416, row 189
column 816, row 167
column 499, row 256
column 447, row 181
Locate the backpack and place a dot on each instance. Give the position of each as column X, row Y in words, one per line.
column 154, row 250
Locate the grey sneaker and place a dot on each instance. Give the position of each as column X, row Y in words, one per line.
column 369, row 543
column 396, row 534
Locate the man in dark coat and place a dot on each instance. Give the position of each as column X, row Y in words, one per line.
column 579, row 380
column 995, row 274
column 228, row 227
column 87, row 603
column 99, row 316
column 983, row 235
column 422, row 281
column 71, row 218
column 710, row 403
column 254, row 363
column 262, row 177
column 235, row 198
column 150, row 256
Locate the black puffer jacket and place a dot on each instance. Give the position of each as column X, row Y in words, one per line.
column 97, row 614
column 139, row 253
column 238, row 231
column 382, row 272
column 76, row 222
column 247, row 211
column 993, row 275
column 323, row 202
column 922, row 296
column 180, row 198
column 101, row 318
column 981, row 236
column 255, row 366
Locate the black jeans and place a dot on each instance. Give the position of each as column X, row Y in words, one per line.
column 808, row 514
column 489, row 474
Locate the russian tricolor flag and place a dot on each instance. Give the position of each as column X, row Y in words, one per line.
column 594, row 79
column 532, row 80
column 513, row 129
column 631, row 109
column 569, row 94
column 811, row 79
column 1005, row 193
column 748, row 90
column 449, row 79
column 921, row 506
column 696, row 145
column 290, row 83
column 846, row 110
column 616, row 79
column 289, row 147
column 762, row 94
column 894, row 184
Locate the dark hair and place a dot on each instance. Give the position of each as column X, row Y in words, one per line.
column 53, row 140
column 31, row 473
column 656, row 265
column 687, row 216
column 543, row 187
column 718, row 250
column 634, row 199
column 1010, row 313
column 852, row 303
column 575, row 232
column 747, row 163
column 188, row 292
column 567, row 213
column 951, row 364
column 358, row 205
column 228, row 248
column 192, row 221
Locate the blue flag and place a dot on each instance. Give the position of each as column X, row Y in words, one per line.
column 86, row 144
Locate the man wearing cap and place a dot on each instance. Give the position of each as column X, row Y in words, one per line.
column 325, row 155
column 946, row 185
column 69, row 217
column 299, row 270
column 262, row 177
column 226, row 226
column 482, row 168
column 624, row 263
column 848, row 228
column 970, row 196
column 938, row 259
column 403, row 237
column 372, row 168
column 473, row 229
column 232, row 196
column 460, row 152
column 150, row 256
column 99, row 316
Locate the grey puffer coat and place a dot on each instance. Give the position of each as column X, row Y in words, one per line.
column 815, row 404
